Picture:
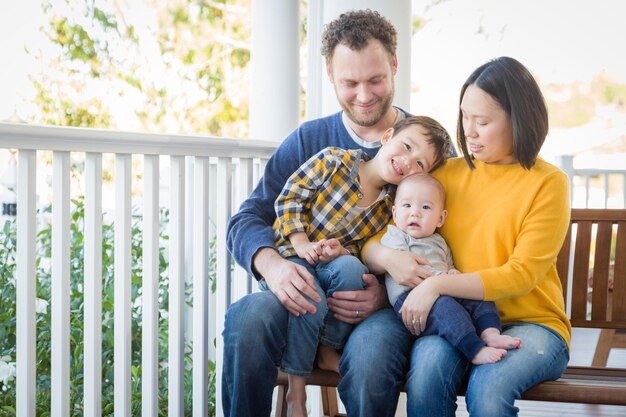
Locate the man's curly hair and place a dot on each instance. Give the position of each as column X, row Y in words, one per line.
column 355, row 28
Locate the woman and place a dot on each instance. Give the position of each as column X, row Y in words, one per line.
column 508, row 213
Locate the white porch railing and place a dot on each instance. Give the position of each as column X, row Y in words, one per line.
column 208, row 179
column 597, row 187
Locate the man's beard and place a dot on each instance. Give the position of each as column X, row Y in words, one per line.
column 369, row 120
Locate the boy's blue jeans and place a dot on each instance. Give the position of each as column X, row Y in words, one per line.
column 307, row 331
column 459, row 321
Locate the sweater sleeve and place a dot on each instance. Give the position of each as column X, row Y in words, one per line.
column 250, row 229
column 540, row 238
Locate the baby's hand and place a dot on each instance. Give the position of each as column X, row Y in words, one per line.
column 453, row 271
column 331, row 249
column 310, row 251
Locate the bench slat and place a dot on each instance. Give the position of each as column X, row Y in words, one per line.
column 578, row 384
column 602, row 257
column 619, row 273
column 581, row 268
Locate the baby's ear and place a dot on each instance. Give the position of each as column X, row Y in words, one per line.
column 442, row 217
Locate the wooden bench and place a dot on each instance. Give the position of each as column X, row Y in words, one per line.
column 594, row 236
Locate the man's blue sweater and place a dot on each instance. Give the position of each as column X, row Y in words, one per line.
column 250, row 229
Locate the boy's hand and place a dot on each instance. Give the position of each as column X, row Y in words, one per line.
column 331, row 249
column 310, row 251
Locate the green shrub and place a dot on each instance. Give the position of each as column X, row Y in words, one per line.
column 43, row 350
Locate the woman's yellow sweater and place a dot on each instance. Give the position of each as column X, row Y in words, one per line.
column 507, row 224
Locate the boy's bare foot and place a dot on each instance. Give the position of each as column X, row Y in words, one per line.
column 493, row 338
column 488, row 355
column 296, row 397
column 296, row 409
column 328, row 358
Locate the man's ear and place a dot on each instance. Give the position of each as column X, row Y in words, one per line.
column 394, row 65
column 329, row 71
column 442, row 217
column 387, row 135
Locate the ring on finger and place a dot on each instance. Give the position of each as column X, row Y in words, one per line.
column 356, row 314
column 416, row 323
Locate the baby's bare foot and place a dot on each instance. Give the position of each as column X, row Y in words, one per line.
column 488, row 355
column 502, row 341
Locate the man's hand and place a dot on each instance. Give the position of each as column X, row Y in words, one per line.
column 289, row 281
column 354, row 306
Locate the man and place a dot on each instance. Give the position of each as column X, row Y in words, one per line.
column 360, row 52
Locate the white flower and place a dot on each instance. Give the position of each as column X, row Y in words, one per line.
column 7, row 372
column 41, row 306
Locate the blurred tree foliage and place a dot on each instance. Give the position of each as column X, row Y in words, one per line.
column 178, row 66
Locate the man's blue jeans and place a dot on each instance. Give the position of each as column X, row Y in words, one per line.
column 438, row 369
column 373, row 364
column 306, row 332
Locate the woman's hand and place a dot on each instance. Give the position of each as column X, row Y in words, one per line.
column 417, row 306
column 406, row 268
column 403, row 266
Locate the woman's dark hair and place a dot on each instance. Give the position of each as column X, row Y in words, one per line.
column 355, row 28
column 437, row 136
column 513, row 87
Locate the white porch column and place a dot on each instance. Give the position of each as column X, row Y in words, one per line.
column 275, row 70
column 321, row 99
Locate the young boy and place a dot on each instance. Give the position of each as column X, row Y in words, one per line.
column 326, row 210
column 471, row 326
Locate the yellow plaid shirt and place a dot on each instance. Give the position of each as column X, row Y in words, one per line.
column 319, row 195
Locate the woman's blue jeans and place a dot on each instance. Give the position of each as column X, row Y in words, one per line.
column 307, row 331
column 438, row 369
column 373, row 364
